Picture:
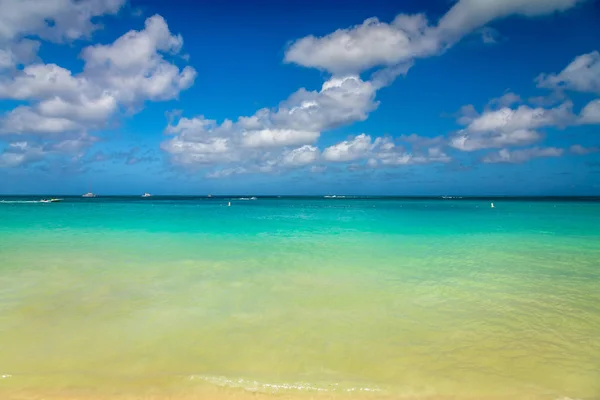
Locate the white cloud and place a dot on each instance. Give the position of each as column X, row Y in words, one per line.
column 301, row 156
column 580, row 150
column 276, row 162
column 379, row 44
column 298, row 121
column 259, row 142
column 41, row 81
column 521, row 156
column 384, row 151
column 119, row 75
column 84, row 109
column 389, row 154
column 21, row 52
column 201, row 143
column 265, row 138
column 372, row 43
column 23, row 120
column 339, row 102
column 524, row 117
column 468, row 15
column 55, row 20
column 208, row 151
column 133, row 66
column 349, row 150
column 582, row 74
column 590, row 114
column 509, row 127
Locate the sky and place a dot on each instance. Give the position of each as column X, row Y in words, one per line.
column 440, row 97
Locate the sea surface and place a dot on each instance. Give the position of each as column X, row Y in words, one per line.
column 346, row 297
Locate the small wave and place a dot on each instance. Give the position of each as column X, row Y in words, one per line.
column 335, row 197
column 255, row 386
column 20, row 201
column 247, row 198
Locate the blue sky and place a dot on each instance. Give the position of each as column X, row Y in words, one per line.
column 380, row 97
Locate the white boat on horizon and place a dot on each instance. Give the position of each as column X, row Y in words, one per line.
column 89, row 194
column 146, row 195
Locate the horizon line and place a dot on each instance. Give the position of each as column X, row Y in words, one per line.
column 441, row 196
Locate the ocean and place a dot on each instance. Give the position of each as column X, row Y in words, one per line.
column 306, row 297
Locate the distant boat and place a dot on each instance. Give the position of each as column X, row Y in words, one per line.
column 146, row 195
column 53, row 200
column 228, row 204
column 210, row 195
column 492, row 205
column 90, row 193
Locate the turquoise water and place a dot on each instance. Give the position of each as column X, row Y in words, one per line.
column 407, row 298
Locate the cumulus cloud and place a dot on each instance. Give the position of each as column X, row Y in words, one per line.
column 23, row 21
column 273, row 137
column 590, row 114
column 133, row 67
column 24, row 120
column 202, row 143
column 383, row 151
column 301, row 156
column 388, row 153
column 127, row 72
column 522, row 155
column 372, row 43
column 508, row 127
column 349, row 150
column 379, row 44
column 582, row 74
column 298, row 121
column 14, row 54
column 116, row 76
column 54, row 20
column 340, row 101
column 277, row 138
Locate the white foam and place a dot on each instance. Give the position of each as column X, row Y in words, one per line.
column 255, row 386
column 20, row 201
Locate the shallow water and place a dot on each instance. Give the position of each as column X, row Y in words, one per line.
column 177, row 298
